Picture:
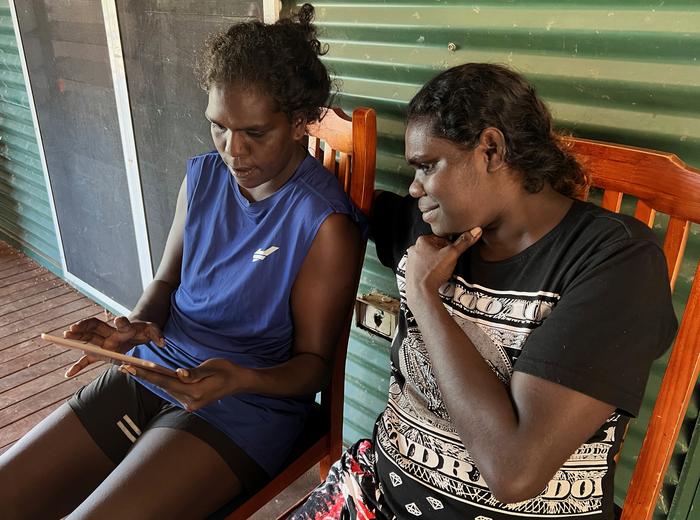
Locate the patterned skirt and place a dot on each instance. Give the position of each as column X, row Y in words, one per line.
column 350, row 492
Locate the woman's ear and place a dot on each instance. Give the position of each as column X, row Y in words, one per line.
column 298, row 127
column 494, row 145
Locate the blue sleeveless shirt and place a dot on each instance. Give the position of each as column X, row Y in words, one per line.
column 240, row 260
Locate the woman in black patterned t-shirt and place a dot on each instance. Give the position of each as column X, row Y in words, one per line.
column 524, row 342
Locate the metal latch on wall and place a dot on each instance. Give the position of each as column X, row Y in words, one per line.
column 377, row 313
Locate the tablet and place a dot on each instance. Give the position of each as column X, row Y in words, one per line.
column 94, row 349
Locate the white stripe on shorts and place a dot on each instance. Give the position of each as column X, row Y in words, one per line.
column 131, row 423
column 126, row 432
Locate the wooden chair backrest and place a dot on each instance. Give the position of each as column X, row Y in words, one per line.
column 660, row 182
column 347, row 147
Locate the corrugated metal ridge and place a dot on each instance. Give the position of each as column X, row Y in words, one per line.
column 24, row 159
column 612, row 16
column 25, row 211
column 433, row 58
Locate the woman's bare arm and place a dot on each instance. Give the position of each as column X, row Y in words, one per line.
column 154, row 303
column 518, row 436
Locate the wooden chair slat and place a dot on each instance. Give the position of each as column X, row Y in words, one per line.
column 344, row 171
column 329, row 161
column 661, row 179
column 644, row 213
column 674, row 246
column 337, row 129
column 364, row 137
column 315, row 147
column 612, row 200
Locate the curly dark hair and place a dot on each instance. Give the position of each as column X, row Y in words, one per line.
column 281, row 58
column 463, row 101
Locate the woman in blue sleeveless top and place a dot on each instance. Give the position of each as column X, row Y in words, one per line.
column 257, row 276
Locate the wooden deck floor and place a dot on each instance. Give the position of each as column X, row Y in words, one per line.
column 32, row 301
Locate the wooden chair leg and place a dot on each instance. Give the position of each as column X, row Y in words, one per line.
column 325, row 466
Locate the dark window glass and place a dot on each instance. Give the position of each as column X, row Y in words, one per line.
column 68, row 60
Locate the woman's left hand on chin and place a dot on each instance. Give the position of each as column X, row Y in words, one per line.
column 195, row 387
column 431, row 262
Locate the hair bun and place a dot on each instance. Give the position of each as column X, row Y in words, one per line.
column 305, row 15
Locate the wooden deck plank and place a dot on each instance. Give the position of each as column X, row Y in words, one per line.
column 8, row 255
column 11, row 292
column 32, row 385
column 36, row 343
column 62, row 321
column 21, row 277
column 19, row 300
column 39, row 304
column 17, row 269
column 41, row 392
column 7, row 264
column 31, row 322
column 35, row 364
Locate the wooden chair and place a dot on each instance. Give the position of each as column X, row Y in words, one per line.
column 660, row 182
column 347, row 147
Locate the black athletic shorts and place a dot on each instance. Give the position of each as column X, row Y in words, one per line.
column 115, row 410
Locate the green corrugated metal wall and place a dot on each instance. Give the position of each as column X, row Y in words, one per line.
column 25, row 211
column 623, row 71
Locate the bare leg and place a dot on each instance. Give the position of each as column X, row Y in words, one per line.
column 51, row 469
column 167, row 474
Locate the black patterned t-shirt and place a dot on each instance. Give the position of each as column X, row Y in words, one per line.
column 573, row 308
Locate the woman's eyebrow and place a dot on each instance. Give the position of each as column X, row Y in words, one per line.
column 415, row 159
column 259, row 127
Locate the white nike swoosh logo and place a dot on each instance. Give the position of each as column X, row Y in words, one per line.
column 261, row 254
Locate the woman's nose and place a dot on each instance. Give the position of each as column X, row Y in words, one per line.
column 235, row 144
column 416, row 188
